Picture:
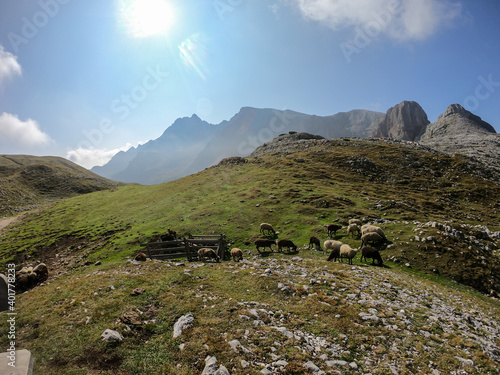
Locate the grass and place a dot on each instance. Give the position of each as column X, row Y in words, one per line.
column 61, row 322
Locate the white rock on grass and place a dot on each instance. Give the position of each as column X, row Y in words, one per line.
column 211, row 367
column 110, row 335
column 184, row 322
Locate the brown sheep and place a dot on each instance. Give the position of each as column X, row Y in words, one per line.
column 141, row 257
column 370, row 252
column 315, row 242
column 264, row 243
column 236, row 254
column 335, row 247
column 207, row 253
column 332, row 229
column 286, row 243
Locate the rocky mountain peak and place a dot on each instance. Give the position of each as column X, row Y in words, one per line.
column 406, row 121
column 458, row 111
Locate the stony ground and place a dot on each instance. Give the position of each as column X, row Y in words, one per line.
column 402, row 326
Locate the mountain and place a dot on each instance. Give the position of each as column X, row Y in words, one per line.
column 406, row 121
column 191, row 144
column 28, row 181
column 458, row 131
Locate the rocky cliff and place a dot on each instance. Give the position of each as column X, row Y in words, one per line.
column 406, row 121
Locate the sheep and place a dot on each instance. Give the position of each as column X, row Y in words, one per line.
column 370, row 252
column 353, row 228
column 236, row 254
column 207, row 253
column 265, row 227
column 286, row 243
column 264, row 243
column 367, row 228
column 141, row 257
column 347, row 252
column 370, row 237
column 314, row 241
column 333, row 228
column 335, row 247
column 355, row 221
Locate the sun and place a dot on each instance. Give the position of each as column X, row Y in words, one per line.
column 146, row 18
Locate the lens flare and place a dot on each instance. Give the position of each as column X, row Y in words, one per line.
column 193, row 53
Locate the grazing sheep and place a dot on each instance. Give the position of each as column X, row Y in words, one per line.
column 286, row 243
column 314, row 241
column 353, row 228
column 264, row 243
column 370, row 237
column 333, row 228
column 334, row 246
column 265, row 227
column 367, row 228
column 207, row 253
column 141, row 257
column 370, row 252
column 236, row 254
column 355, row 221
column 347, row 252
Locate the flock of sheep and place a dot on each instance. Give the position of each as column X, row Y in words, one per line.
column 369, row 234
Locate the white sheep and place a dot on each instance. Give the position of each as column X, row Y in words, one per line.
column 347, row 252
column 371, row 237
column 268, row 228
column 355, row 221
column 334, row 246
column 367, row 228
column 352, row 229
column 236, row 254
column 207, row 253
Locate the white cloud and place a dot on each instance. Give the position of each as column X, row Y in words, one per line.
column 9, row 66
column 400, row 19
column 15, row 133
column 92, row 157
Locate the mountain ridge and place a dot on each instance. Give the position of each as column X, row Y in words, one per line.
column 191, row 144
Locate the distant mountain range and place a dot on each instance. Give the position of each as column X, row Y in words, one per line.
column 191, row 144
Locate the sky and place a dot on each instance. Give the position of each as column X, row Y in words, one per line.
column 84, row 79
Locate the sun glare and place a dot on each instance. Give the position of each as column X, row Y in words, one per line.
column 145, row 18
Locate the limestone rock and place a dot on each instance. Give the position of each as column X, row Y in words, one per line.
column 406, row 121
column 458, row 131
column 183, row 323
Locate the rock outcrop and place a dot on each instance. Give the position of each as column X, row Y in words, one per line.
column 458, row 131
column 406, row 121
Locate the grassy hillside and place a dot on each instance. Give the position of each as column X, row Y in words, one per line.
column 432, row 207
column 29, row 181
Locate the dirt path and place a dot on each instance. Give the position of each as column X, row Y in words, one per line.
column 7, row 221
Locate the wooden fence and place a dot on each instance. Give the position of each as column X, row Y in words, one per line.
column 187, row 247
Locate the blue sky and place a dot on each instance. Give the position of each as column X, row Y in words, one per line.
column 85, row 79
